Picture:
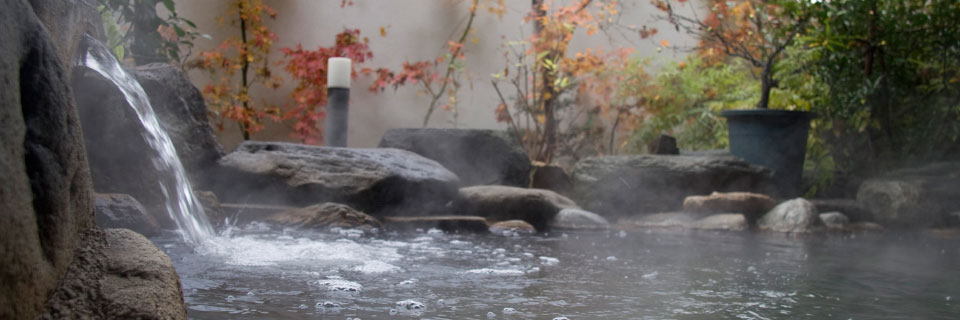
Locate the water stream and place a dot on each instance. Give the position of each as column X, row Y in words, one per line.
column 181, row 203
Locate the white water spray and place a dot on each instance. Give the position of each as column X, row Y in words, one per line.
column 181, row 203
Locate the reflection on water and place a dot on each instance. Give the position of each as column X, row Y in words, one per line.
column 258, row 273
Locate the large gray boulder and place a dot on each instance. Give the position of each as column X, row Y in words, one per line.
column 639, row 184
column 793, row 216
column 46, row 195
column 501, row 203
column 478, row 157
column 379, row 181
column 916, row 197
column 121, row 159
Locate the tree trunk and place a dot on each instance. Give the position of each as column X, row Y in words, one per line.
column 545, row 153
column 766, row 85
column 243, row 73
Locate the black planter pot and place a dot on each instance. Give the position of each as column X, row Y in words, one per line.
column 776, row 139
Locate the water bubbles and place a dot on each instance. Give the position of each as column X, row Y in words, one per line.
column 508, row 311
column 393, row 311
column 441, row 302
column 528, row 255
column 622, row 234
column 491, row 315
column 435, row 232
column 327, row 305
column 549, row 261
column 752, row 269
column 410, row 305
column 302, row 306
column 561, row 318
column 230, row 298
column 340, row 285
column 407, row 283
column 650, row 276
column 250, row 293
column 611, row 258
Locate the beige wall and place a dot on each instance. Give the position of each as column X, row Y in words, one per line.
column 418, row 30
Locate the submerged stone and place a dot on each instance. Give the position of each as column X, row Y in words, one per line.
column 573, row 218
column 445, row 223
column 325, row 215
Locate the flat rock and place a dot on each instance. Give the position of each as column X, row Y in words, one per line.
column 752, row 205
column 511, row 227
column 325, row 215
column 446, row 223
column 380, row 182
column 117, row 210
column 573, row 218
column 477, row 156
column 500, row 203
column 642, row 184
column 793, row 216
column 915, row 197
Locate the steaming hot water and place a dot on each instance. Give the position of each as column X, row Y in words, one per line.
column 341, row 274
column 257, row 271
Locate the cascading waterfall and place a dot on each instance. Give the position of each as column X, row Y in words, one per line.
column 181, row 203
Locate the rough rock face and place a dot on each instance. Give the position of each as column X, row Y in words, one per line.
column 751, row 205
column 573, row 218
column 121, row 160
column 45, row 196
column 796, row 216
column 140, row 281
column 67, row 21
column 500, row 203
column 117, row 210
column 325, row 215
column 380, row 182
column 637, row 184
column 478, row 157
column 917, row 197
